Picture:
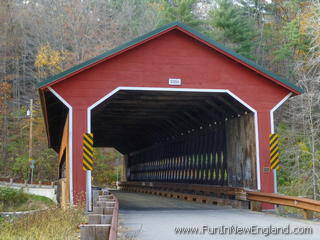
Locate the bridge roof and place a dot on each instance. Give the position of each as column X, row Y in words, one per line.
column 158, row 32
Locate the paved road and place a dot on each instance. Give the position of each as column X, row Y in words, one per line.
column 148, row 217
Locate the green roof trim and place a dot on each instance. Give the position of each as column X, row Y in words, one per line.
column 155, row 32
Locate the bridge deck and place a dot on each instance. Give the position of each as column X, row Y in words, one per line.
column 146, row 217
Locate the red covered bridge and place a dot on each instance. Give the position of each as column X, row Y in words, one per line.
column 181, row 107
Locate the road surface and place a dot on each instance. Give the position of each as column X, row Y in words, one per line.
column 149, row 217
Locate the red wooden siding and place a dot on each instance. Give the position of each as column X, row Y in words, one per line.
column 172, row 55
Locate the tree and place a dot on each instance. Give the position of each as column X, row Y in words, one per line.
column 304, row 114
column 133, row 18
column 179, row 10
column 105, row 171
column 49, row 61
column 5, row 96
column 230, row 25
column 42, row 38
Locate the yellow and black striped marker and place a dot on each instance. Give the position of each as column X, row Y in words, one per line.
column 274, row 151
column 87, row 151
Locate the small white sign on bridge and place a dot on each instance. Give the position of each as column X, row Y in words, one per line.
column 174, row 81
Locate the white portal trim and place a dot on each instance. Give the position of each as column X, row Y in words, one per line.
column 188, row 90
column 272, row 131
column 70, row 142
column 275, row 108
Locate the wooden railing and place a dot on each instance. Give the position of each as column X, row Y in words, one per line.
column 213, row 194
column 182, row 187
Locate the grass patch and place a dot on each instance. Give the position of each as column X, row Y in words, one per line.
column 292, row 211
column 42, row 199
column 13, row 200
column 52, row 224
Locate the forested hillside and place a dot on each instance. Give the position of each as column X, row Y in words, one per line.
column 40, row 38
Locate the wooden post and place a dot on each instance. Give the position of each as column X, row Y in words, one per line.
column 99, row 219
column 255, row 206
column 30, row 140
column 124, row 168
column 94, row 231
column 307, row 214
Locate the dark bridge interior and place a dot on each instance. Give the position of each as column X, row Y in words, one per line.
column 186, row 137
column 133, row 120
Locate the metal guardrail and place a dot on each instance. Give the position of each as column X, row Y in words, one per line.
column 25, row 182
column 308, row 205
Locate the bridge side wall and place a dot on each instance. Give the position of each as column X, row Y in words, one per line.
column 63, row 190
column 197, row 158
column 124, row 168
column 241, row 152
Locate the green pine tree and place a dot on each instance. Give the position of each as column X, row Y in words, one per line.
column 179, row 10
column 233, row 27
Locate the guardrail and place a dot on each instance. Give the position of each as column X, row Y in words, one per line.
column 21, row 181
column 222, row 195
column 206, row 189
column 307, row 205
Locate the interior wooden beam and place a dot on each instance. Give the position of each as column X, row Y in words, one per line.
column 231, row 106
column 216, row 107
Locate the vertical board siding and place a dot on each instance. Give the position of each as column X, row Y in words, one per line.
column 63, row 195
column 196, row 158
column 241, row 152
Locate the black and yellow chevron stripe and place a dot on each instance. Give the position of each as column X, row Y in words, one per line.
column 274, row 151
column 87, row 151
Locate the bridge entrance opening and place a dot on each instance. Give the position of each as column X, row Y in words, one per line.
column 179, row 136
